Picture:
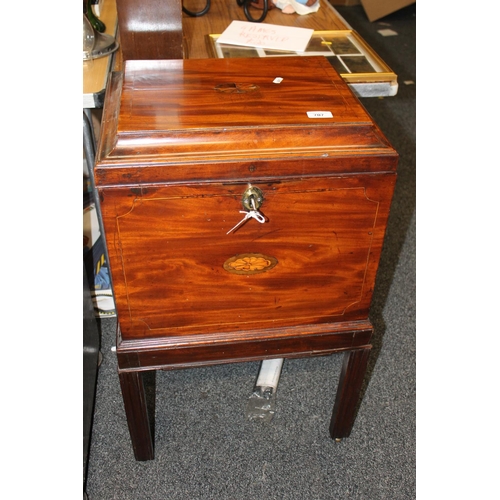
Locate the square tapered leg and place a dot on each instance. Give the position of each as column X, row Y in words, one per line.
column 136, row 410
column 350, row 383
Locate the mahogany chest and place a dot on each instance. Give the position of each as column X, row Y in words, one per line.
column 244, row 203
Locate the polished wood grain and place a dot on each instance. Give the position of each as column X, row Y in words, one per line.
column 172, row 112
column 170, row 244
column 175, row 159
column 245, row 345
column 208, row 94
column 150, row 29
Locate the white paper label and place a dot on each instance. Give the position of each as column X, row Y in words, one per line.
column 319, row 114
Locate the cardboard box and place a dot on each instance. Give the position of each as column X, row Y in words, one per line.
column 376, row 9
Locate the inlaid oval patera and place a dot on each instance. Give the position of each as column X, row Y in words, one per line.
column 249, row 263
column 236, row 88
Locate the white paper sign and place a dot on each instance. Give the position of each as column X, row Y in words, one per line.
column 319, row 114
column 266, row 36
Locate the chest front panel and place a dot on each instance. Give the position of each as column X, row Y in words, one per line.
column 177, row 271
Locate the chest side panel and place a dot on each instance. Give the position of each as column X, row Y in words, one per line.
column 176, row 271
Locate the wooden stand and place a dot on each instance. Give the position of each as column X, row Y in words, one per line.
column 344, row 411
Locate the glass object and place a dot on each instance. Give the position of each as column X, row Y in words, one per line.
column 96, row 23
column 96, row 44
column 88, row 38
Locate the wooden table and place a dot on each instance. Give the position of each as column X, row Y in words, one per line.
column 195, row 30
column 222, row 12
column 382, row 83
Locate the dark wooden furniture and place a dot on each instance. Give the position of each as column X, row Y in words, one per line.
column 150, row 29
column 191, row 147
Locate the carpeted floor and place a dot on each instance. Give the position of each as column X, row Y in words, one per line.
column 205, row 448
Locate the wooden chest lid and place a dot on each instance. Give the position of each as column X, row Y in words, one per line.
column 223, row 109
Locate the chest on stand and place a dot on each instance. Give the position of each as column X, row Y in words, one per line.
column 244, row 204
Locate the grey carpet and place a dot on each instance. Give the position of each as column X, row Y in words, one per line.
column 206, row 449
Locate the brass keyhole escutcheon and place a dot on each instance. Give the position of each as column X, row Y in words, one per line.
column 253, row 198
column 251, row 201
